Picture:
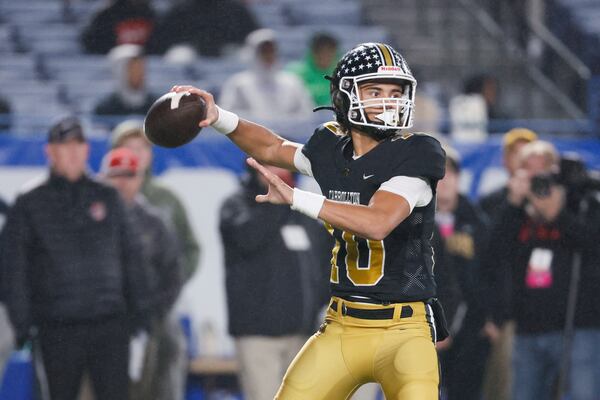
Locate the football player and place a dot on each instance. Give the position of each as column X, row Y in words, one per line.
column 379, row 202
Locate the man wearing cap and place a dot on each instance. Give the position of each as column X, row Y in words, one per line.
column 173, row 363
column 512, row 142
column 120, row 168
column 73, row 272
column 534, row 246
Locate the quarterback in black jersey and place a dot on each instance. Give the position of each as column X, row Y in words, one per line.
column 378, row 184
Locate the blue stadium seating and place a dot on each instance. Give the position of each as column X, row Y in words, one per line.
column 47, row 66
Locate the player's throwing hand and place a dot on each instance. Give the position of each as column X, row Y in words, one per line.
column 279, row 192
column 212, row 113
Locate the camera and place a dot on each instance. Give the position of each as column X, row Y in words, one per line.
column 542, row 184
column 573, row 175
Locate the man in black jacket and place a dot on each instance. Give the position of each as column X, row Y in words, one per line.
column 459, row 242
column 6, row 331
column 73, row 272
column 529, row 262
column 498, row 372
column 276, row 278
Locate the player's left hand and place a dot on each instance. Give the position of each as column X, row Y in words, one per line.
column 279, row 192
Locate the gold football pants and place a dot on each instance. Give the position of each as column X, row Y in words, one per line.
column 348, row 351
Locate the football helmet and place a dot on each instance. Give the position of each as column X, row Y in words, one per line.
column 373, row 62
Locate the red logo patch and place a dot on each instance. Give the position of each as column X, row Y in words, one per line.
column 389, row 68
column 98, row 211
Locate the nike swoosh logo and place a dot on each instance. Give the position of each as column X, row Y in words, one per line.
column 367, row 176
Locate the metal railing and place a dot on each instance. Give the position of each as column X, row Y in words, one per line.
column 564, row 81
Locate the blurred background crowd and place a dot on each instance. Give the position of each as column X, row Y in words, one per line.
column 175, row 284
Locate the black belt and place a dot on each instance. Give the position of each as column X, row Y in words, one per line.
column 381, row 313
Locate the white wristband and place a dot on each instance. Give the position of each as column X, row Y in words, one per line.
column 227, row 121
column 307, row 203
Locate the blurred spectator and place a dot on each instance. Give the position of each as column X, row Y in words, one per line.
column 468, row 113
column 210, row 26
column 428, row 112
column 275, row 277
column 120, row 168
column 130, row 95
column 5, row 113
column 459, row 243
column 74, row 277
column 6, row 331
column 530, row 258
column 173, row 360
column 512, row 142
column 3, row 212
column 130, row 134
column 264, row 92
column 119, row 22
column 498, row 369
column 319, row 62
column 487, row 86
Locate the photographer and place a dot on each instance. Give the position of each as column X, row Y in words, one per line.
column 529, row 266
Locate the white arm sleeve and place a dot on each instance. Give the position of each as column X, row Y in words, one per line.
column 416, row 191
column 302, row 163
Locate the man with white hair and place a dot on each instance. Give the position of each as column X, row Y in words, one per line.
column 536, row 238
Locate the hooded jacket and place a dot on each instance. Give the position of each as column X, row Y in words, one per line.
column 125, row 100
column 265, row 93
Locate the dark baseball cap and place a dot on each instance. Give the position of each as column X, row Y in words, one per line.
column 68, row 128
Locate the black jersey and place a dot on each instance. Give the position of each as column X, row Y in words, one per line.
column 400, row 267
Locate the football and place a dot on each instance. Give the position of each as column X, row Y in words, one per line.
column 172, row 120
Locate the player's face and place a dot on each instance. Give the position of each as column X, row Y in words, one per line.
column 142, row 150
column 68, row 159
column 372, row 91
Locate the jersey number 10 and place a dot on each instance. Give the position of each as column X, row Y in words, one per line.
column 368, row 275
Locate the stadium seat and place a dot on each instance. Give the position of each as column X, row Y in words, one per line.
column 325, row 13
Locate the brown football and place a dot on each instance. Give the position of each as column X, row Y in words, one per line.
column 172, row 120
